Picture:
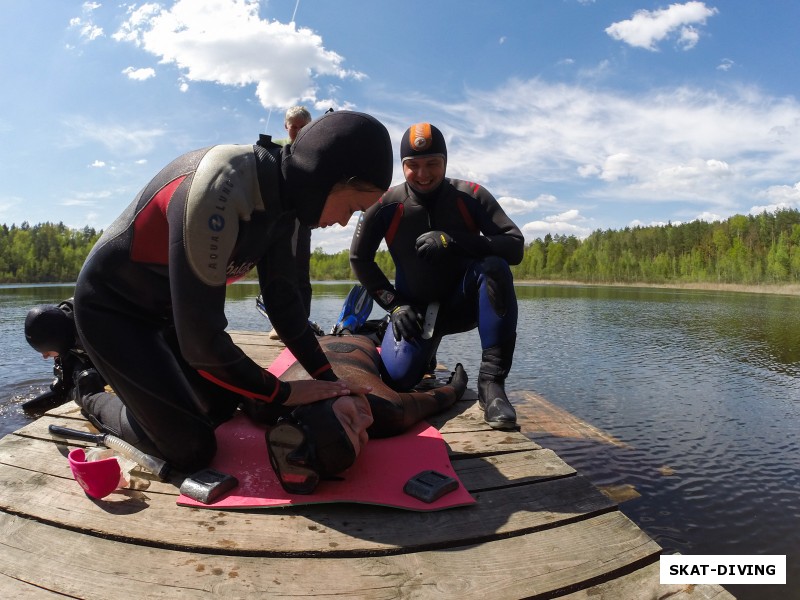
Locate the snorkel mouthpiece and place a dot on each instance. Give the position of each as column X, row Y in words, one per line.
column 309, row 445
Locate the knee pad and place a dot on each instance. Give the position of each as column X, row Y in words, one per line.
column 404, row 363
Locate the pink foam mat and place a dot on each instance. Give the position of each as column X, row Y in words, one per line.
column 377, row 477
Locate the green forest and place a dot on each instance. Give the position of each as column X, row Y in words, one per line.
column 749, row 250
column 44, row 253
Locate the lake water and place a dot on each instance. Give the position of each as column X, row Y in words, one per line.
column 703, row 388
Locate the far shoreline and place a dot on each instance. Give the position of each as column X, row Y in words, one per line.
column 787, row 289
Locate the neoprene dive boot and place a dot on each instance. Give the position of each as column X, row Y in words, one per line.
column 495, row 365
column 85, row 383
column 106, row 411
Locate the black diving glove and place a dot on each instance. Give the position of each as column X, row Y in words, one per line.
column 405, row 323
column 433, row 245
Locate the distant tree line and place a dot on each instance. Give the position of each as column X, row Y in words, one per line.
column 750, row 250
column 44, row 253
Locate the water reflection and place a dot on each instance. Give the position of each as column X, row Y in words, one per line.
column 700, row 389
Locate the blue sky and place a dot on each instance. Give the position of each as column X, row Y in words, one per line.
column 576, row 114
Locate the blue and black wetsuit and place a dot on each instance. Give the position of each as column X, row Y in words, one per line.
column 472, row 281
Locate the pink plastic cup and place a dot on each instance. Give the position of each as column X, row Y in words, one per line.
column 98, row 478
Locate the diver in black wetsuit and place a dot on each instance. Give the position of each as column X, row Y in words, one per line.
column 50, row 330
column 150, row 297
column 452, row 244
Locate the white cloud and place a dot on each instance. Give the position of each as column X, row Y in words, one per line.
column 518, row 206
column 567, row 223
column 98, row 164
column 638, row 223
column 335, row 238
column 708, row 217
column 85, row 26
column 119, row 139
column 139, row 74
column 705, row 147
column 685, row 177
column 596, row 72
column 726, row 64
column 778, row 197
column 647, row 28
column 618, row 166
column 86, row 198
column 589, row 171
column 688, row 38
column 225, row 42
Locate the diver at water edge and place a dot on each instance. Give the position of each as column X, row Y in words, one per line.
column 452, row 245
column 50, row 330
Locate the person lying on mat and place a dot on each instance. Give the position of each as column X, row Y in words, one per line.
column 319, row 440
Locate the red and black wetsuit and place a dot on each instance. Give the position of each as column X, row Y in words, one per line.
column 472, row 282
column 150, row 297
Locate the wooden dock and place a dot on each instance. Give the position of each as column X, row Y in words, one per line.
column 538, row 530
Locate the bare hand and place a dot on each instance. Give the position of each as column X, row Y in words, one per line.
column 310, row 391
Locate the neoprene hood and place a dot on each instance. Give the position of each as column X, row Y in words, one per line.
column 422, row 139
column 48, row 328
column 335, row 147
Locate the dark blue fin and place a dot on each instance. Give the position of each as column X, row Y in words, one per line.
column 355, row 311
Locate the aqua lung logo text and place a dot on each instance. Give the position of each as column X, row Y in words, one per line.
column 216, row 223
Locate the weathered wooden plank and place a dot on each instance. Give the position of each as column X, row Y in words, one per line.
column 477, row 474
column 460, row 444
column 44, row 456
column 258, row 346
column 316, row 529
column 544, row 417
column 644, row 584
column 463, row 416
column 38, row 429
column 513, row 468
column 542, row 564
column 477, row 443
column 14, row 589
column 69, row 410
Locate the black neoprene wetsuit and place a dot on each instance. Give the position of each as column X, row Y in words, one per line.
column 150, row 298
column 472, row 280
column 466, row 211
